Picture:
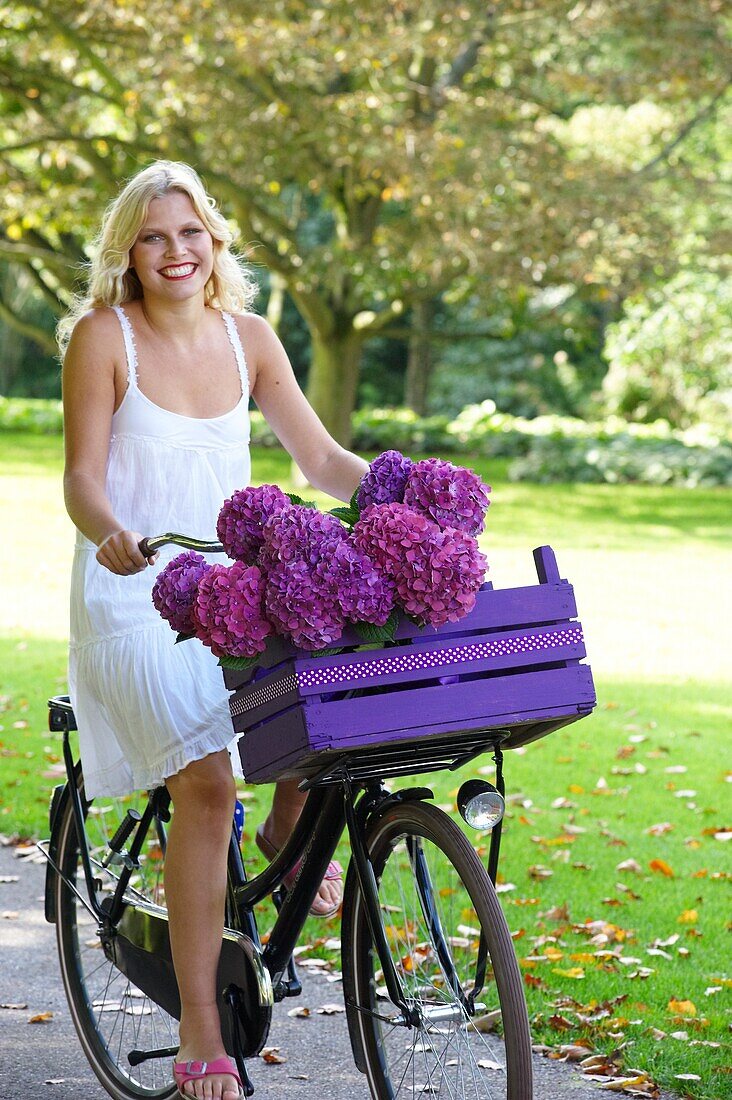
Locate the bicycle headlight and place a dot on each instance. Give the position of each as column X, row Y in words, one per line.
column 480, row 804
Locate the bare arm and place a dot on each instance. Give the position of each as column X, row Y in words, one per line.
column 325, row 464
column 89, row 398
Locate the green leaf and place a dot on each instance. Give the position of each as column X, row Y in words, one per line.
column 353, row 502
column 347, row 515
column 183, row 637
column 326, row 652
column 239, row 662
column 385, row 633
column 295, row 499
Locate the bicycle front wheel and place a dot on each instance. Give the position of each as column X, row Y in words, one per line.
column 111, row 1015
column 436, row 903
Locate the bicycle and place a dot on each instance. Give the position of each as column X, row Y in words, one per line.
column 433, row 992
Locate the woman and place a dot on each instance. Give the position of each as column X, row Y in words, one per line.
column 161, row 361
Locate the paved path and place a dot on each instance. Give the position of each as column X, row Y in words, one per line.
column 43, row 1061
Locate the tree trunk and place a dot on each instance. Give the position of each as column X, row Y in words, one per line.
column 333, row 380
column 276, row 300
column 420, row 358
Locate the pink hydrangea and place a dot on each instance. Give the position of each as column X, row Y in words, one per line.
column 228, row 613
column 450, row 495
column 439, row 577
column 243, row 516
column 175, row 589
column 387, row 533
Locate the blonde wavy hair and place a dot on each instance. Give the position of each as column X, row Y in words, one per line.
column 112, row 282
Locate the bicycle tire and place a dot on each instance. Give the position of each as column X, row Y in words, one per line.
column 110, row 1014
column 450, row 1057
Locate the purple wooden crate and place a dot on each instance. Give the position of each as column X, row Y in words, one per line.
column 512, row 664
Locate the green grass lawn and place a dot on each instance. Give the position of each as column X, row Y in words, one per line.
column 649, row 566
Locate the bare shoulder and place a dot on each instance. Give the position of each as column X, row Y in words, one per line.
column 97, row 331
column 255, row 330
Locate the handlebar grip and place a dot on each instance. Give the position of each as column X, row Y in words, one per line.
column 150, row 546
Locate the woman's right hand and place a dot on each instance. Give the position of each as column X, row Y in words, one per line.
column 120, row 554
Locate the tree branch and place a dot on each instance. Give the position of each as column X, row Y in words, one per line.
column 684, row 132
column 44, row 339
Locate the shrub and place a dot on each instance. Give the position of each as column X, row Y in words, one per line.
column 28, row 414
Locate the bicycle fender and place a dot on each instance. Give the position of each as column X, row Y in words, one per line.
column 411, row 794
column 59, row 802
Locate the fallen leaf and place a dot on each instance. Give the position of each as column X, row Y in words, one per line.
column 630, row 865
column 689, row 916
column 9, row 1005
column 40, row 1018
column 682, row 1008
column 660, row 829
column 272, row 1056
column 301, row 1012
column 8, row 878
column 661, row 867
column 687, row 1077
column 329, row 1010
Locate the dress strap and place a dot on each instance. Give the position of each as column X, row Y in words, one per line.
column 129, row 338
column 241, row 362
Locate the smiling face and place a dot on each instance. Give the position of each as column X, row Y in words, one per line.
column 173, row 253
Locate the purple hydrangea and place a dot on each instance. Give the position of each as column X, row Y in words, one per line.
column 365, row 594
column 228, row 613
column 385, row 479
column 297, row 533
column 243, row 516
column 450, row 495
column 388, row 533
column 439, row 577
column 302, row 603
column 302, row 589
column 175, row 590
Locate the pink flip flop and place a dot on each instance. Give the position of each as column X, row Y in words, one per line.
column 183, row 1072
column 333, row 874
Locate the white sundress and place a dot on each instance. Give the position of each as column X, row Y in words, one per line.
column 146, row 707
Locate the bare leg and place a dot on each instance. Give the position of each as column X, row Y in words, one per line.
column 287, row 803
column 203, row 796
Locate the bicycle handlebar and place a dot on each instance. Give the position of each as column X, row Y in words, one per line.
column 150, row 545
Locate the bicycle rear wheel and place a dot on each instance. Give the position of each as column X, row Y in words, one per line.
column 111, row 1015
column 436, row 899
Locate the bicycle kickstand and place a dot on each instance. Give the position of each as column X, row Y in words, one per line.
column 232, row 996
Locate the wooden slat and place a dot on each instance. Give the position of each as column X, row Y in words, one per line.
column 507, row 699
column 359, row 670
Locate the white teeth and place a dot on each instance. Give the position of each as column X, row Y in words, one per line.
column 186, row 269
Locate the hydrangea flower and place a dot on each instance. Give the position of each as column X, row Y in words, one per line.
column 385, row 479
column 450, row 495
column 302, row 590
column 175, row 589
column 302, row 603
column 228, row 612
column 438, row 578
column 387, row 533
column 243, row 516
column 297, row 533
column 365, row 594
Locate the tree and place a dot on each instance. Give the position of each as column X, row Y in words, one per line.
column 373, row 156
column 670, row 354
